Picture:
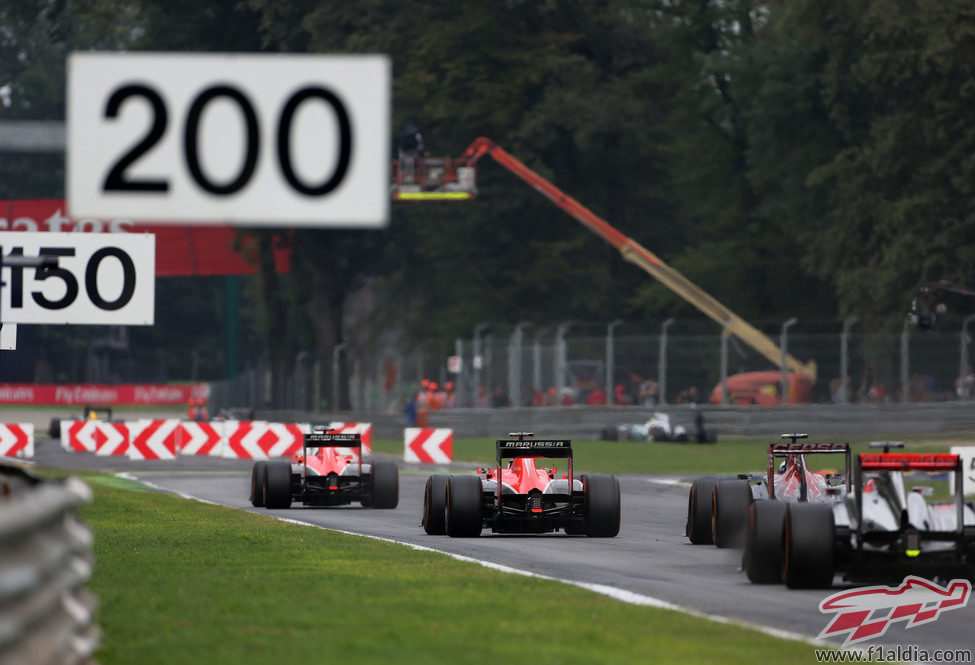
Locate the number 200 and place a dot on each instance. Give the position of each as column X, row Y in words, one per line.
column 118, row 179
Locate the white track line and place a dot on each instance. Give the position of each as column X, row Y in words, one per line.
column 622, row 595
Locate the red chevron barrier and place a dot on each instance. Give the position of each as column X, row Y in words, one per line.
column 201, row 438
column 154, row 439
column 17, row 440
column 363, row 429
column 253, row 439
column 428, row 445
column 95, row 436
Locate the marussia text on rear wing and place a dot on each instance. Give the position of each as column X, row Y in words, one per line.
column 509, row 448
column 328, row 439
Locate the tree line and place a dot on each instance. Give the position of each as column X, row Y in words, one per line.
column 809, row 158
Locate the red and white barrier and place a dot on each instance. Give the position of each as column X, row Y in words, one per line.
column 363, row 429
column 95, row 436
column 17, row 440
column 154, row 439
column 202, row 438
column 428, row 445
column 255, row 439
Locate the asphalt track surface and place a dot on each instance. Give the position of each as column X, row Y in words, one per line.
column 650, row 557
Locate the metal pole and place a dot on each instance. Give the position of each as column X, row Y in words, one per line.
column 560, row 357
column 537, row 361
column 662, row 361
column 514, row 363
column 845, row 359
column 905, row 360
column 336, row 352
column 784, row 345
column 610, row 358
column 725, row 332
column 478, row 360
column 963, row 355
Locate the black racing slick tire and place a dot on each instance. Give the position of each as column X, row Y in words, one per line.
column 602, row 505
column 385, row 484
column 808, row 554
column 699, row 501
column 463, row 511
column 257, row 484
column 731, row 501
column 762, row 560
column 699, row 510
column 435, row 505
column 277, row 484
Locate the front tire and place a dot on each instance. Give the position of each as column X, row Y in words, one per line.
column 385, row 484
column 731, row 501
column 463, row 512
column 808, row 557
column 699, row 510
column 277, row 484
column 763, row 543
column 435, row 506
column 602, row 505
column 257, row 484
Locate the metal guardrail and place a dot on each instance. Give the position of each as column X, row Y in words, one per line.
column 46, row 613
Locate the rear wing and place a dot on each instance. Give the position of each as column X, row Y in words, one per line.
column 929, row 462
column 909, row 462
column 509, row 448
column 794, row 448
column 333, row 439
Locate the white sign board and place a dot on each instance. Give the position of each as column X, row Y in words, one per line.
column 967, row 454
column 101, row 278
column 260, row 140
column 8, row 337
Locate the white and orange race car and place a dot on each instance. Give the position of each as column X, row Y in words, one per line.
column 522, row 495
column 327, row 472
column 718, row 510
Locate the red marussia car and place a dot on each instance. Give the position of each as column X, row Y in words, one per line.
column 523, row 495
column 324, row 475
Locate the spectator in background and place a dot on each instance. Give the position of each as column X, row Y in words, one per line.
column 551, row 397
column 620, row 396
column 537, row 397
column 966, row 383
column 438, row 395
column 597, row 397
column 499, row 399
column 688, row 396
column 410, row 410
column 481, row 401
column 450, row 401
column 632, row 386
column 648, row 394
column 567, row 397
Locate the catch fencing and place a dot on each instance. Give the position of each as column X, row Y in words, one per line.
column 46, row 613
column 524, row 366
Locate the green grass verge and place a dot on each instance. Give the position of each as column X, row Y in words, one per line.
column 185, row 582
column 729, row 456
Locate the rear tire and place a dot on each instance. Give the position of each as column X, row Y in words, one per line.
column 277, row 484
column 463, row 512
column 602, row 505
column 731, row 501
column 435, row 506
column 763, row 543
column 808, row 557
column 385, row 484
column 699, row 510
column 257, row 484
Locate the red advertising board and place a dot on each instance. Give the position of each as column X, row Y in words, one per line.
column 95, row 394
column 180, row 250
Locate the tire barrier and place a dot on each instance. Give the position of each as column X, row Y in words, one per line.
column 428, row 445
column 17, row 440
column 46, row 613
column 170, row 438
